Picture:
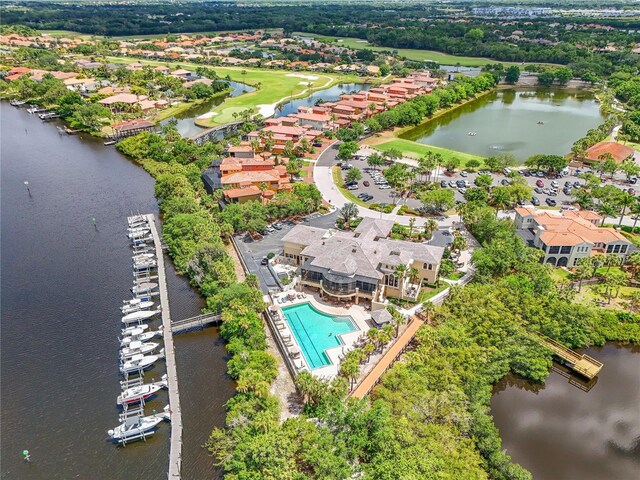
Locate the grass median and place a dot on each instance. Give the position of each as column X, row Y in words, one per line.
column 419, row 150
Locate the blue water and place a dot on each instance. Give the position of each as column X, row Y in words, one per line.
column 316, row 331
column 327, row 95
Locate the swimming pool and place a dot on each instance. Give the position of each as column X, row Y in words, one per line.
column 316, row 331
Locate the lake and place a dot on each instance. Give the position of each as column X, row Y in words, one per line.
column 558, row 431
column 507, row 121
column 327, row 95
column 62, row 283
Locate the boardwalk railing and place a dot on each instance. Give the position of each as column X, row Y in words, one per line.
column 200, row 321
column 583, row 364
column 390, row 356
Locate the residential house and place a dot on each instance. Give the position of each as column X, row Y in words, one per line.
column 361, row 265
column 567, row 236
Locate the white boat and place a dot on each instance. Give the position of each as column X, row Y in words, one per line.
column 135, row 427
column 139, row 257
column 137, row 348
column 130, row 308
column 138, row 362
column 142, row 240
column 139, row 316
column 139, row 337
column 133, row 330
column 145, row 265
column 136, row 219
column 139, row 233
column 144, row 287
column 141, row 392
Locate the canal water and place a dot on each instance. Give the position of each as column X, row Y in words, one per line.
column 506, row 121
column 558, row 431
column 63, row 280
column 327, row 95
column 185, row 120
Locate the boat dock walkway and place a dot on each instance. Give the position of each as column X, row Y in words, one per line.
column 398, row 347
column 583, row 364
column 175, row 452
column 197, row 322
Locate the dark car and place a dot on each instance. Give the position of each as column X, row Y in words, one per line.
column 504, row 182
column 366, row 183
column 633, row 180
column 367, row 198
column 264, row 261
column 521, row 202
column 460, row 184
column 551, row 202
column 537, row 190
column 443, row 183
column 577, row 185
column 534, row 201
column 631, row 191
column 317, row 144
column 277, row 226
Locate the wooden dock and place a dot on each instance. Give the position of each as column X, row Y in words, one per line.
column 398, row 347
column 583, row 364
column 195, row 323
column 175, row 451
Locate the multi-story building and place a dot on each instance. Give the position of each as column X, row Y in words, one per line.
column 566, row 237
column 361, row 264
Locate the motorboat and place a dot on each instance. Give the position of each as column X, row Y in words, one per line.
column 137, row 300
column 130, row 308
column 145, row 265
column 138, row 426
column 139, row 257
column 142, row 240
column 139, row 316
column 144, row 287
column 136, row 394
column 109, row 142
column 134, row 329
column 138, row 233
column 138, row 362
column 142, row 336
column 137, row 348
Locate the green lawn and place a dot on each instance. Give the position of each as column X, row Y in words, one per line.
column 418, row 150
column 69, row 34
column 274, row 86
column 411, row 54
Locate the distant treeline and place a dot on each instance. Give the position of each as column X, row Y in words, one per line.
column 548, row 40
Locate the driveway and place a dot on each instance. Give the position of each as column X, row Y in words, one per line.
column 253, row 251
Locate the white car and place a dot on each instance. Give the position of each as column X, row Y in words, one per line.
column 384, row 187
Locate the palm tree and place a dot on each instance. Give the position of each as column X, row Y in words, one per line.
column 606, row 210
column 255, row 145
column 612, row 261
column 584, row 271
column 372, row 336
column 307, row 385
column 634, row 210
column 348, row 212
column 428, row 309
column 414, row 275
column 625, row 200
column 397, row 319
column 412, row 222
column 459, row 243
column 400, row 272
column 430, row 226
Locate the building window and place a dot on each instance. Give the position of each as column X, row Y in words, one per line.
column 391, row 280
column 553, row 250
column 428, row 266
column 616, row 248
column 609, row 248
column 623, row 249
column 565, row 250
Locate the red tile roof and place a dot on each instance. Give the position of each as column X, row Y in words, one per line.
column 617, row 150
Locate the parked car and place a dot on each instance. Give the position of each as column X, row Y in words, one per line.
column 353, row 187
column 555, row 184
column 350, row 182
column 633, row 180
column 505, row 182
column 539, row 183
column 535, row 201
column 264, row 261
column 460, row 183
column 526, row 173
column 522, row 202
column 452, row 184
column 277, row 226
column 317, row 144
column 384, row 187
column 462, row 190
column 443, row 183
column 346, row 166
column 577, row 185
column 631, row 191
column 366, row 183
column 463, row 173
column 269, row 229
column 537, row 190
column 506, row 171
column 367, row 198
column 551, row 202
column 540, row 174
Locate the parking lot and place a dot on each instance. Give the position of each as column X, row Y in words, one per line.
column 542, row 186
column 253, row 251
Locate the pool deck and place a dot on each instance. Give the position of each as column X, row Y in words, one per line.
column 357, row 313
